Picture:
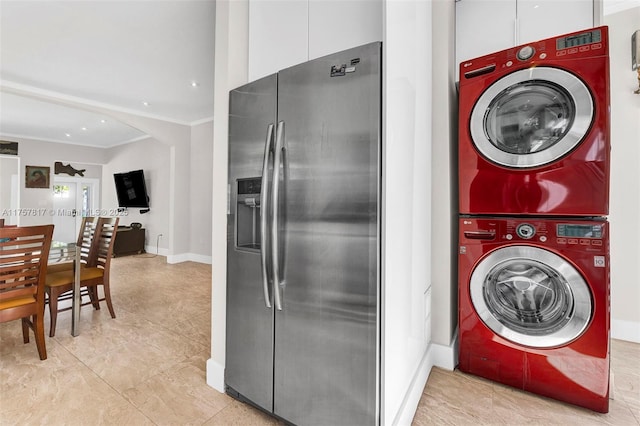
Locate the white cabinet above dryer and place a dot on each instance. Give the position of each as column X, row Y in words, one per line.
column 485, row 26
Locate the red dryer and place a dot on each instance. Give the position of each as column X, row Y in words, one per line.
column 534, row 129
column 533, row 305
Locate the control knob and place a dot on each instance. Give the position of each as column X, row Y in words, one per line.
column 525, row 53
column 525, row 231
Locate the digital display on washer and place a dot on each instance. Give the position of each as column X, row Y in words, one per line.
column 579, row 39
column 580, row 231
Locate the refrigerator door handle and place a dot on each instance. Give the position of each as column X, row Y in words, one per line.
column 264, row 215
column 274, row 208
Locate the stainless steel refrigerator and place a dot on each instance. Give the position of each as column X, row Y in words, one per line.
column 303, row 241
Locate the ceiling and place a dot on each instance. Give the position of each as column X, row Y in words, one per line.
column 114, row 55
column 150, row 58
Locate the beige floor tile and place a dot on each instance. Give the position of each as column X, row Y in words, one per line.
column 240, row 414
column 147, row 366
column 445, row 399
column 178, row 395
column 456, row 398
column 69, row 396
column 132, row 364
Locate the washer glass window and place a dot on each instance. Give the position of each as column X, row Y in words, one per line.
column 531, row 296
column 528, row 297
column 529, row 117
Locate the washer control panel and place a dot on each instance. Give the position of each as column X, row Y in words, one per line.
column 528, row 230
column 588, row 235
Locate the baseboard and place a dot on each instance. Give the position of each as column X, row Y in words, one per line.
column 189, row 257
column 410, row 402
column 156, row 250
column 625, row 330
column 446, row 356
column 200, row 258
column 215, row 375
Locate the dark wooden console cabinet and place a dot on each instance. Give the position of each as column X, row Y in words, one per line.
column 128, row 241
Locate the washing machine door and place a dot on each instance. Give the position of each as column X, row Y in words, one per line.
column 531, row 117
column 531, row 296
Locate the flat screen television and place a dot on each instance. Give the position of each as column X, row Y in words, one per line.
column 131, row 189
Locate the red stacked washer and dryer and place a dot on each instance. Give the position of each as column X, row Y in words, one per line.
column 533, row 265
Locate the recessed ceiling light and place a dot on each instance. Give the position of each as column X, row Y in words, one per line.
column 145, row 103
column 195, row 84
column 103, row 121
column 68, row 135
column 84, row 128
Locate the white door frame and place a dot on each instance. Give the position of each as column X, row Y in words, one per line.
column 95, row 194
column 14, row 206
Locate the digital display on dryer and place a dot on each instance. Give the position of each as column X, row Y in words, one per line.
column 580, row 231
column 588, row 37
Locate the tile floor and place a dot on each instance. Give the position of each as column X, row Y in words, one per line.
column 147, row 367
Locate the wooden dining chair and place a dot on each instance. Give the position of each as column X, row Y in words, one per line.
column 95, row 273
column 23, row 268
column 85, row 237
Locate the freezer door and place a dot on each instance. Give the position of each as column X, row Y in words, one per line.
column 326, row 337
column 249, row 346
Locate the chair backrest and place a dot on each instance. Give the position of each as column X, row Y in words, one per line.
column 85, row 237
column 105, row 235
column 23, row 266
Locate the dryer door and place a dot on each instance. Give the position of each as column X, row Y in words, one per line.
column 531, row 296
column 531, row 117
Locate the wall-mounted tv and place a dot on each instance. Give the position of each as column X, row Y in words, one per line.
column 131, row 189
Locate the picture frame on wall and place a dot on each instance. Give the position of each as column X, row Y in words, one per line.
column 8, row 148
column 37, row 176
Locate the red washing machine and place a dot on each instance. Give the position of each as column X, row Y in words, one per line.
column 534, row 306
column 534, row 129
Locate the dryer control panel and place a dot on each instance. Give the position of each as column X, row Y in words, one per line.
column 573, row 46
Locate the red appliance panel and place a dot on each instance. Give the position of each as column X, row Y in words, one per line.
column 577, row 371
column 575, row 184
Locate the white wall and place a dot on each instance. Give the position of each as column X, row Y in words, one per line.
column 625, row 178
column 231, row 67
column 180, row 162
column 154, row 158
column 39, row 153
column 174, row 135
column 407, row 207
column 178, row 138
column 444, row 185
column 201, row 194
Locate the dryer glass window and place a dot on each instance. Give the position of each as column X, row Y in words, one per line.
column 529, row 117
column 528, row 297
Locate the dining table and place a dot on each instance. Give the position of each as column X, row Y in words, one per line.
column 64, row 252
